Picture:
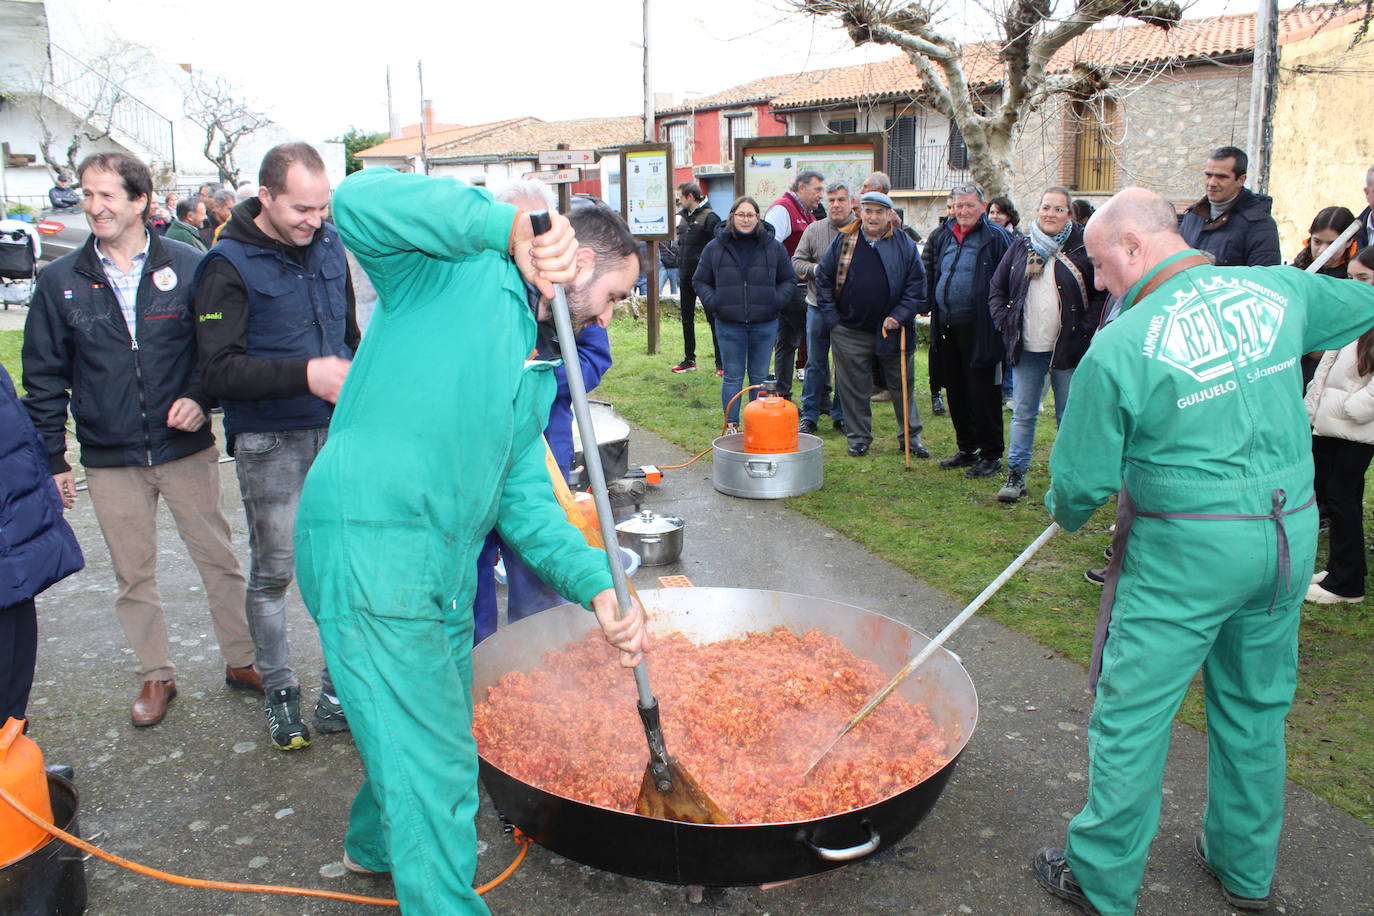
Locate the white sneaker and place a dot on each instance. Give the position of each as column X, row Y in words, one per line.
column 730, row 429
column 1318, row 595
column 1318, row 576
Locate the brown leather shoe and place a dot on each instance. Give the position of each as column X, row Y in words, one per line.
column 243, row 678
column 151, row 704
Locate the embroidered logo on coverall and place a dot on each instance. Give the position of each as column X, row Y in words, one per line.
column 1232, row 324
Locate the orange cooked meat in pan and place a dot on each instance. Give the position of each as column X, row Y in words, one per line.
column 744, row 716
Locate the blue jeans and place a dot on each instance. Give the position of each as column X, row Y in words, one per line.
column 271, row 469
column 526, row 593
column 744, row 348
column 1028, row 383
column 669, row 276
column 816, row 390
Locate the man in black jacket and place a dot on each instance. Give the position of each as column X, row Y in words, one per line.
column 1232, row 222
column 696, row 226
column 962, row 265
column 276, row 331
column 110, row 331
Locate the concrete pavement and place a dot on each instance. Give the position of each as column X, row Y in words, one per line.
column 204, row 794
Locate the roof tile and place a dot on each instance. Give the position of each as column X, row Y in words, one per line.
column 1120, row 44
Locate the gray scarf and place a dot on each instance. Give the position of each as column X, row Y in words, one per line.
column 1044, row 247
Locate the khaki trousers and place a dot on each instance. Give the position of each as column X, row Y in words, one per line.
column 125, row 501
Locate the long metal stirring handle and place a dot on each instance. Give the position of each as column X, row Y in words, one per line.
column 577, row 388
column 950, row 629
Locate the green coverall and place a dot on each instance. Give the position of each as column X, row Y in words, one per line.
column 437, row 438
column 1190, row 402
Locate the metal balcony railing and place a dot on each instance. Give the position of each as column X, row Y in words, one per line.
column 928, row 167
column 82, row 89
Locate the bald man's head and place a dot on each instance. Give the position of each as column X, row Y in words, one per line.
column 1128, row 236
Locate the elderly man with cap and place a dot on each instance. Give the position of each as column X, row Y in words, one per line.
column 1187, row 408
column 869, row 287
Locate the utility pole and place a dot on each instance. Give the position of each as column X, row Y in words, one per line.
column 1263, row 82
column 650, row 269
column 392, row 128
column 424, row 152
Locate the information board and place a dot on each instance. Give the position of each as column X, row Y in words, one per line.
column 765, row 167
column 646, row 200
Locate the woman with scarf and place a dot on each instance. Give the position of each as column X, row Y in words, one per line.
column 1340, row 404
column 1043, row 300
column 745, row 278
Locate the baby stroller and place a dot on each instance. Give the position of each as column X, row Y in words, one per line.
column 19, row 250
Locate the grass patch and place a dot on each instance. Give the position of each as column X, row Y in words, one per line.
column 953, row 534
column 10, row 344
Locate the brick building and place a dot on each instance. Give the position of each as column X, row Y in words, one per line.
column 1174, row 95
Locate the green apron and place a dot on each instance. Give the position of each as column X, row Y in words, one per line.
column 1190, row 405
column 437, row 437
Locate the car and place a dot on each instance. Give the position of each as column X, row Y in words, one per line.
column 61, row 231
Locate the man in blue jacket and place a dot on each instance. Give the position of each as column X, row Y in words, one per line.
column 961, row 329
column 37, row 547
column 526, row 593
column 869, row 287
column 276, row 333
column 1231, row 222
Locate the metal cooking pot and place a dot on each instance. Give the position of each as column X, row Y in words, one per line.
column 736, row 472
column 728, row 855
column 612, row 440
column 656, row 538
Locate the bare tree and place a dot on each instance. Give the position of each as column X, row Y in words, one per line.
column 76, row 102
column 211, row 104
column 1030, row 34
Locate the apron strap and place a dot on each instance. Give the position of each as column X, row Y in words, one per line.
column 1276, row 513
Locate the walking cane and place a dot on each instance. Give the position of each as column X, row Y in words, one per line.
column 906, row 417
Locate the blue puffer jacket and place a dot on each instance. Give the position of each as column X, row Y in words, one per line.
column 37, row 546
column 748, row 291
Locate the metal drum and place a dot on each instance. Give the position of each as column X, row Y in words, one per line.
column 612, row 439
column 740, row 473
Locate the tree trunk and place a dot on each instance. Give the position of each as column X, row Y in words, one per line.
column 989, row 159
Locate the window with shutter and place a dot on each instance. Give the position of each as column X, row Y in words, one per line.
column 901, row 152
column 844, row 125
column 676, row 134
column 1095, row 165
column 958, row 150
column 737, row 127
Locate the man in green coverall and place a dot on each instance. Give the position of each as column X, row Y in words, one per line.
column 1188, row 404
column 436, row 439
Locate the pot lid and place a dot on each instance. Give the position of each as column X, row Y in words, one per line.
column 647, row 522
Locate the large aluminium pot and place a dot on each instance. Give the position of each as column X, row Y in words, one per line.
column 736, row 472
column 613, row 442
column 730, row 855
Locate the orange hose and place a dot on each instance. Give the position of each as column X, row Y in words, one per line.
column 84, row 846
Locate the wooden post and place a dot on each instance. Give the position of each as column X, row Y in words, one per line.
column 564, row 190
column 651, row 272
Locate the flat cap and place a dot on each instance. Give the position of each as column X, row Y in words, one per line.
column 876, row 197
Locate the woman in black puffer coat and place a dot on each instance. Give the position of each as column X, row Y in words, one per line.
column 745, row 278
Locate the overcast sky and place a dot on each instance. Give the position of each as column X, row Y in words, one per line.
column 318, row 67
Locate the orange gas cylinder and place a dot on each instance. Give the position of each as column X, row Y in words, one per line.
column 770, row 422
column 23, row 777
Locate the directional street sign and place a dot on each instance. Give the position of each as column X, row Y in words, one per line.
column 560, row 176
column 567, row 157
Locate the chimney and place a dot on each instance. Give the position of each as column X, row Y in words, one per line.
column 428, row 107
column 663, row 100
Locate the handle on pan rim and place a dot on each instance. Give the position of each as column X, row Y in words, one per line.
column 540, row 223
column 849, row 854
